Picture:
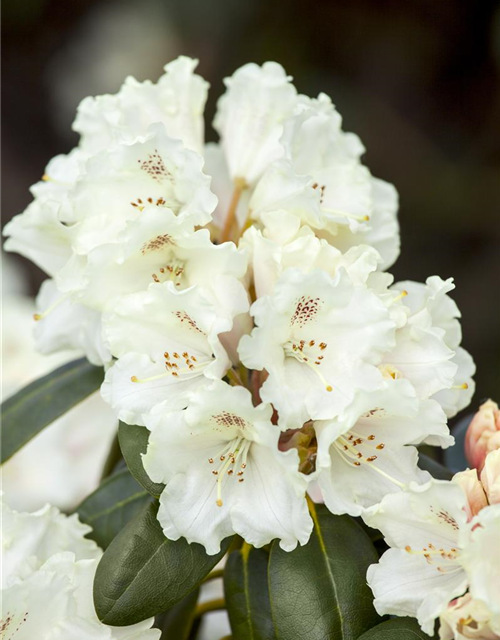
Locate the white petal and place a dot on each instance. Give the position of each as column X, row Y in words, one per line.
column 406, row 585
column 250, row 118
column 29, row 539
column 481, row 557
column 177, row 100
column 431, row 513
column 69, row 325
column 267, row 505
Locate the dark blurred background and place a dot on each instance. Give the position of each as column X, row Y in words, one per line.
column 417, row 80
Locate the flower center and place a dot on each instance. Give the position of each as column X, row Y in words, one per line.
column 233, row 462
column 431, row 554
column 348, row 445
column 173, row 271
column 310, row 354
column 183, row 366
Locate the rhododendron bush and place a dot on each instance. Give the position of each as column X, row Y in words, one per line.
column 273, row 384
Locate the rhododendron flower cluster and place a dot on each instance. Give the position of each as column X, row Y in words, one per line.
column 238, row 295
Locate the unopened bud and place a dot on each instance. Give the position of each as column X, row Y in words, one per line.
column 483, row 434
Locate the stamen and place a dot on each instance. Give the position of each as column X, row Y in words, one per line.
column 430, row 553
column 302, row 353
column 47, row 178
column 347, row 448
column 174, row 370
column 54, row 305
column 234, row 451
column 464, row 386
column 337, row 212
column 402, row 295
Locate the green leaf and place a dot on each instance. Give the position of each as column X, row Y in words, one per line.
column 40, row 403
column 134, row 442
column 319, row 591
column 142, row 573
column 397, row 629
column 247, row 595
column 114, row 503
column 177, row 622
column 434, row 468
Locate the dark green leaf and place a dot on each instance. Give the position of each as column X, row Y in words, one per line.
column 134, row 442
column 319, row 591
column 436, row 470
column 247, row 595
column 397, row 629
column 177, row 622
column 114, row 503
column 40, row 403
column 142, row 573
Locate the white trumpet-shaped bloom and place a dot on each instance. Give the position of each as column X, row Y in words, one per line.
column 435, row 553
column 359, row 462
column 47, row 575
column 250, row 118
column 224, row 473
column 177, row 100
column 320, row 339
column 431, row 305
column 41, row 233
column 63, row 323
column 284, row 244
column 153, row 249
column 323, row 182
column 123, row 179
column 168, row 347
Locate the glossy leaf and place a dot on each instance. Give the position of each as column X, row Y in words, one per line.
column 247, row 595
column 40, row 403
column 133, row 443
column 319, row 591
column 142, row 573
column 397, row 629
column 177, row 622
column 111, row 506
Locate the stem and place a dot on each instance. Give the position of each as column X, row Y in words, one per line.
column 239, row 186
column 211, row 605
column 234, row 378
column 213, row 575
column 114, row 456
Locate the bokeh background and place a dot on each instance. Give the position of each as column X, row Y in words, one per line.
column 417, row 80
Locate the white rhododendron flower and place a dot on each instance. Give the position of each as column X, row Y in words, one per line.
column 168, row 347
column 63, row 323
column 436, row 553
column 224, row 473
column 432, row 300
column 284, row 244
column 152, row 249
column 131, row 174
column 250, row 118
column 481, row 558
column 177, row 100
column 362, row 462
column 320, row 339
column 47, row 575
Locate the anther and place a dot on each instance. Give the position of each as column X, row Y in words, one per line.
column 403, row 294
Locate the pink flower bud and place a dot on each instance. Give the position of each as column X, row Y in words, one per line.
column 490, row 476
column 483, row 434
column 473, row 489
